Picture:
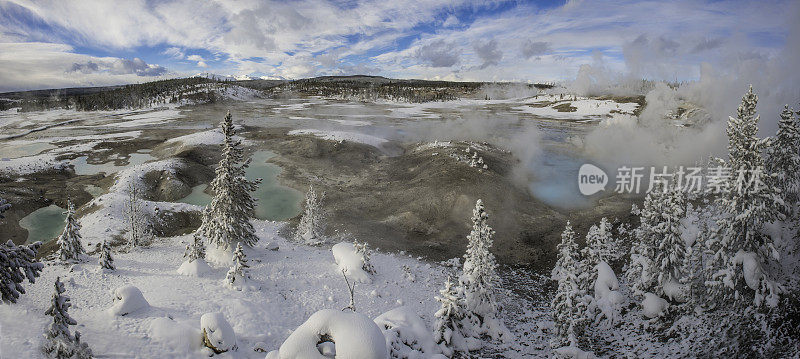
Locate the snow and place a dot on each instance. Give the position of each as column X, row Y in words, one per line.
column 354, row 123
column 127, row 299
column 606, row 292
column 606, row 280
column 290, row 290
column 218, row 333
column 148, row 118
column 354, row 334
column 674, row 291
column 653, row 306
column 407, row 335
column 180, row 337
column 350, row 262
column 751, row 269
column 585, row 109
column 210, row 137
column 574, row 353
column 109, row 220
column 195, row 268
column 340, row 136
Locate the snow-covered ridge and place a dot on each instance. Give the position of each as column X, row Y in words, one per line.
column 339, row 136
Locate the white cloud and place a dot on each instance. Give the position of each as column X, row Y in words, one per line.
column 316, row 36
column 57, row 66
column 439, row 53
column 174, row 52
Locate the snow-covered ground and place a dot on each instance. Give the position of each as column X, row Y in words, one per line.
column 290, row 284
column 579, row 108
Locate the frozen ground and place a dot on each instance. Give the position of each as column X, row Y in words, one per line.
column 289, row 284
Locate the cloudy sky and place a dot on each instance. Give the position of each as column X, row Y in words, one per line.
column 61, row 43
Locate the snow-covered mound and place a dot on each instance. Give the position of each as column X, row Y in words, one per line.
column 127, row 299
column 350, row 262
column 180, row 337
column 653, row 305
column 217, row 332
column 354, row 336
column 406, row 334
column 195, row 268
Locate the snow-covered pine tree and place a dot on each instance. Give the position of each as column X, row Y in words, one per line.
column 69, row 242
column 447, row 330
column 479, row 279
column 226, row 220
column 59, row 343
column 783, row 160
column 670, row 258
column 646, row 238
column 568, row 302
column 599, row 248
column 239, row 272
column 140, row 230
column 311, row 229
column 106, row 259
column 743, row 249
column 362, row 249
column 195, row 250
column 17, row 263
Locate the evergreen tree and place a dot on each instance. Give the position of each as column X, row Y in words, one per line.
column 362, row 249
column 568, row 302
column 647, row 236
column 783, row 160
column 59, row 343
column 746, row 208
column 670, row 258
column 238, row 273
column 195, row 250
column 448, row 330
column 599, row 248
column 69, row 242
column 226, row 219
column 311, row 229
column 17, row 263
column 479, row 279
column 106, row 259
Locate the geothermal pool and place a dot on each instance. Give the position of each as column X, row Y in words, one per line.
column 274, row 201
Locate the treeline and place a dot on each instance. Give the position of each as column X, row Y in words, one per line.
column 193, row 89
column 372, row 88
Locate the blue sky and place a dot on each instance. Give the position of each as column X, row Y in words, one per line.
column 59, row 43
